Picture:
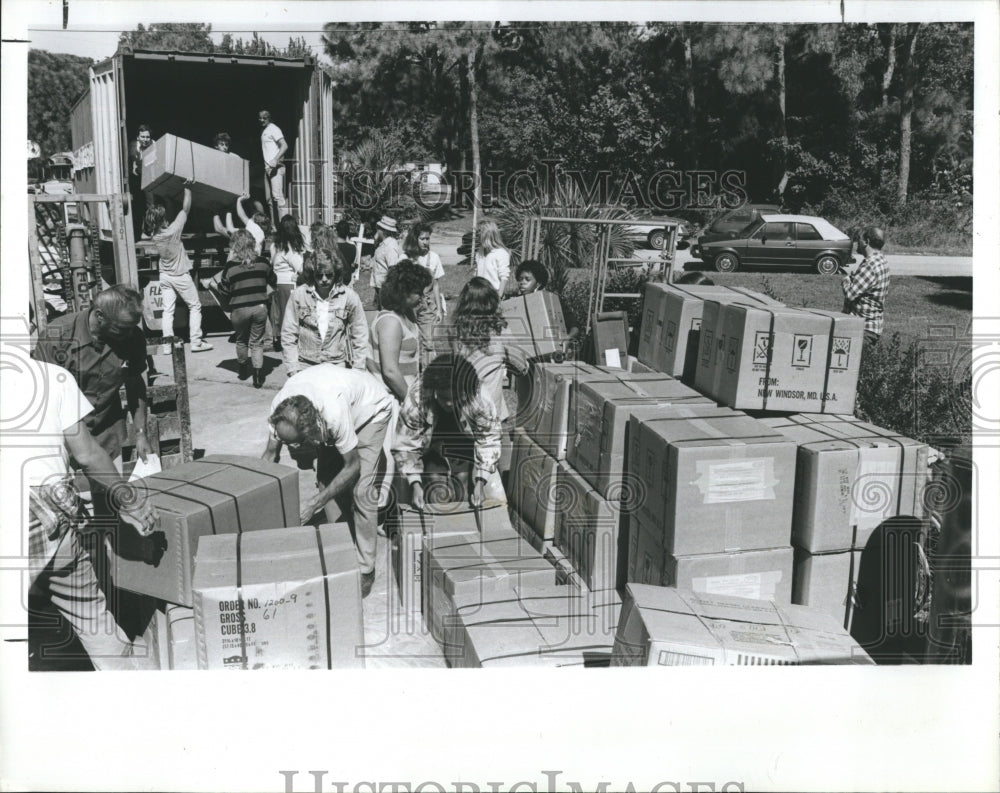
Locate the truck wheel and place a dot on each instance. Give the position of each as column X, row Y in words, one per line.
column 655, row 239
column 827, row 265
column 727, row 262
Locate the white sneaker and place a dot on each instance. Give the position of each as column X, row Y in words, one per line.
column 201, row 346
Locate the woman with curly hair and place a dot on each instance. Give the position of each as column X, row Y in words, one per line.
column 432, row 308
column 478, row 321
column 448, row 436
column 286, row 259
column 395, row 335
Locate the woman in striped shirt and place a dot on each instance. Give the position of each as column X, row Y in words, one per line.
column 246, row 276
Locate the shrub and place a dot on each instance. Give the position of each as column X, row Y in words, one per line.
column 897, row 391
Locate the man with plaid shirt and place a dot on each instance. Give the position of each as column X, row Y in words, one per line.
column 866, row 286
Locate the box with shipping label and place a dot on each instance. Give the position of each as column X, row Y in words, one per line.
column 775, row 358
column 465, row 569
column 532, row 485
column 671, row 321
column 589, row 531
column 756, row 575
column 662, row 626
column 714, row 483
column 531, row 625
column 408, row 530
column 218, row 178
column 602, row 413
column 827, row 582
column 279, row 599
column 219, row 494
column 535, row 325
column 850, row 478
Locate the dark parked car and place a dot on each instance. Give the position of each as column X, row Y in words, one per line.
column 792, row 240
column 727, row 225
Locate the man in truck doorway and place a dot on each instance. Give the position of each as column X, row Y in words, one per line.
column 273, row 147
column 143, row 141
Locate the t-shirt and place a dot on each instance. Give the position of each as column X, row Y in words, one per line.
column 173, row 258
column 432, row 262
column 258, row 236
column 287, row 264
column 348, row 399
column 46, row 458
column 494, row 267
column 269, row 142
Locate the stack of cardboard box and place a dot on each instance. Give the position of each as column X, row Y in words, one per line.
column 851, row 476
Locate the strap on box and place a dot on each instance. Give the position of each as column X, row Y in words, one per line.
column 326, row 597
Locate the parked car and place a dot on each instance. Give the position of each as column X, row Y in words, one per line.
column 792, row 240
column 650, row 230
column 733, row 221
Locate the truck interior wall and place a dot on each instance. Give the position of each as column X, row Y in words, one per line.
column 196, row 100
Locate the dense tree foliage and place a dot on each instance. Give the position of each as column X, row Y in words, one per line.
column 820, row 117
column 55, row 82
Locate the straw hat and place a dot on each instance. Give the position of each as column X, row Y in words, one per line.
column 387, row 224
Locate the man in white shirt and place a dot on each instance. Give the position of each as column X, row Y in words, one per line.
column 61, row 553
column 386, row 255
column 273, row 147
column 340, row 415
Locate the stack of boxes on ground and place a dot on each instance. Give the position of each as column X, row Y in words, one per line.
column 239, row 584
column 684, row 490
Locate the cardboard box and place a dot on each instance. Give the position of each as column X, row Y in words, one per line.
column 533, row 626
column 279, row 599
column 408, row 530
column 774, row 358
column 219, row 494
column 671, row 321
column 661, row 626
column 535, row 325
column 602, row 414
column 590, row 531
column 466, row 569
column 827, row 583
column 219, row 177
column 851, row 476
column 174, row 638
column 532, row 485
column 758, row 575
column 714, row 483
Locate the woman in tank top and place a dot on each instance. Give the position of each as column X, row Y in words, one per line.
column 395, row 337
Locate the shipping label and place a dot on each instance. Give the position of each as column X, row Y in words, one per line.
column 736, row 481
column 757, row 586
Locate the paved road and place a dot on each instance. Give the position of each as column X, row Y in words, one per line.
column 445, row 243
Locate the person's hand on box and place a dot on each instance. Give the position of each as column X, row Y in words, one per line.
column 417, row 497
column 310, row 508
column 478, row 496
column 142, row 445
column 142, row 516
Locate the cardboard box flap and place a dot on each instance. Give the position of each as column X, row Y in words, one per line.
column 713, row 430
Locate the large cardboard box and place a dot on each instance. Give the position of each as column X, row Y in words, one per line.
column 661, row 626
column 671, row 321
column 175, row 644
column 535, row 325
column 409, row 528
column 219, row 178
column 714, row 483
column 602, row 414
column 279, row 599
column 532, row 485
column 219, row 494
column 827, row 582
column 551, row 418
column 774, row 358
column 465, row 569
column 758, row 575
column 533, row 626
column 590, row 531
column 851, row 476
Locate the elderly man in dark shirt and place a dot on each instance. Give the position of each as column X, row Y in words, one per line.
column 104, row 349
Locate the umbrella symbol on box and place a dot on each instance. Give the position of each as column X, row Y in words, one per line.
column 841, row 353
column 762, row 347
